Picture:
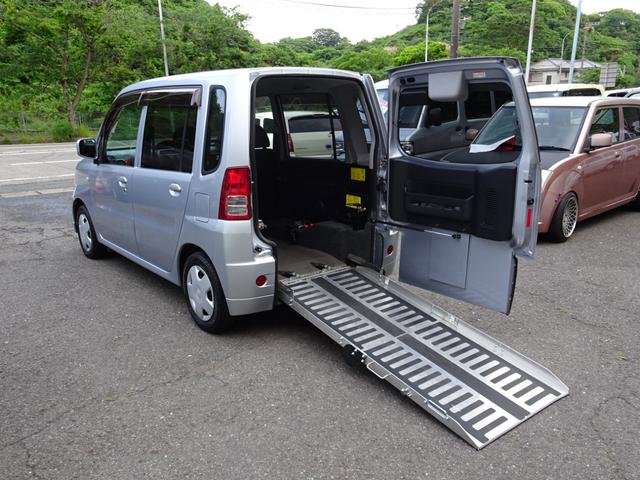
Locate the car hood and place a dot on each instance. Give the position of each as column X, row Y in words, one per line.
column 549, row 158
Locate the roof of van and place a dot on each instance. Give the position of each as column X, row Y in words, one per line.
column 563, row 87
column 582, row 101
column 214, row 76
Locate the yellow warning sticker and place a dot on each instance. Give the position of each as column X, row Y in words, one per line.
column 353, row 201
column 358, row 174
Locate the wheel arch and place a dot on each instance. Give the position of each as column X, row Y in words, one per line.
column 188, row 249
column 77, row 203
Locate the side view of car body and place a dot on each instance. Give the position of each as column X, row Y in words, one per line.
column 589, row 153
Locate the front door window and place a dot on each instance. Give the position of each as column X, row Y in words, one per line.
column 123, row 134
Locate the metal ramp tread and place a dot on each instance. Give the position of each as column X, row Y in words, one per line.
column 475, row 385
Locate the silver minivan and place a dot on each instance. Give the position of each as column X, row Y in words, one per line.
column 184, row 180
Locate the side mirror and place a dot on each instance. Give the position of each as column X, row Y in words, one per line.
column 86, row 147
column 471, row 134
column 599, row 140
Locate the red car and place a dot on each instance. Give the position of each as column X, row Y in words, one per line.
column 589, row 151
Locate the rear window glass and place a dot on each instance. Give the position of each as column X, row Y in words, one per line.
column 313, row 123
column 582, row 92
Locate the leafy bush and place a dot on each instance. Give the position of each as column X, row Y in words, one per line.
column 62, row 131
column 83, row 131
column 6, row 141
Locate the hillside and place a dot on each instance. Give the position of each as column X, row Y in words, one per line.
column 62, row 61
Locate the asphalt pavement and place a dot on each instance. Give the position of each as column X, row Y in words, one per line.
column 103, row 375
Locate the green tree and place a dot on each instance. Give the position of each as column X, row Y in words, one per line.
column 57, row 43
column 374, row 61
column 326, row 37
column 415, row 53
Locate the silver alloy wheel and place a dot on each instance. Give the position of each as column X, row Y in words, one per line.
column 200, row 293
column 569, row 216
column 84, row 230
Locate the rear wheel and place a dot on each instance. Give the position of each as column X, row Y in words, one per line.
column 203, row 293
column 565, row 219
column 89, row 243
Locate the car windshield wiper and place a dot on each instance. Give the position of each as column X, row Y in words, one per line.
column 553, row 147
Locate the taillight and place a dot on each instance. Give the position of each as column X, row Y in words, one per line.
column 235, row 196
column 289, row 143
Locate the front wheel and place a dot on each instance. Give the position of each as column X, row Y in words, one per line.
column 89, row 243
column 565, row 219
column 203, row 293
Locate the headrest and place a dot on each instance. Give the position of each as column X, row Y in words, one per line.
column 261, row 138
column 435, row 116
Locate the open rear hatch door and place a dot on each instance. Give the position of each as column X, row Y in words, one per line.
column 465, row 216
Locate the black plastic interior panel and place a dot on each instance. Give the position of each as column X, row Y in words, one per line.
column 467, row 198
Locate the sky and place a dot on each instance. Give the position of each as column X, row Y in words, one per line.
column 272, row 20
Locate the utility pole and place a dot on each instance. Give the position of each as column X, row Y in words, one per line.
column 574, row 47
column 586, row 29
column 530, row 45
column 164, row 44
column 430, row 5
column 455, row 29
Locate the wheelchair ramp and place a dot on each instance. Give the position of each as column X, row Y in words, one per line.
column 475, row 385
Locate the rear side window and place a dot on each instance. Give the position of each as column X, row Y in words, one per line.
column 169, row 132
column 631, row 122
column 606, row 120
column 214, row 130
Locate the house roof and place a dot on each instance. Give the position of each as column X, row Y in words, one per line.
column 554, row 64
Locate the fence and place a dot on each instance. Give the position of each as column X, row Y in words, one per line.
column 23, row 127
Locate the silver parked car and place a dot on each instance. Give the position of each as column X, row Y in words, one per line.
column 184, row 179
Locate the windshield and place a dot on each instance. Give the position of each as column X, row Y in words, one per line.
column 557, row 127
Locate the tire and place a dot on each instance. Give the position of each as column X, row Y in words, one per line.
column 203, row 294
column 565, row 219
column 635, row 203
column 87, row 237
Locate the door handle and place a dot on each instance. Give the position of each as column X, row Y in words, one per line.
column 175, row 189
column 617, row 154
column 122, row 181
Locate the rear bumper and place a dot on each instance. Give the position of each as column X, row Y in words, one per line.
column 247, row 306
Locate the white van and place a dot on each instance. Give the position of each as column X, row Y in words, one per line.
column 184, row 180
column 566, row 90
column 311, row 133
